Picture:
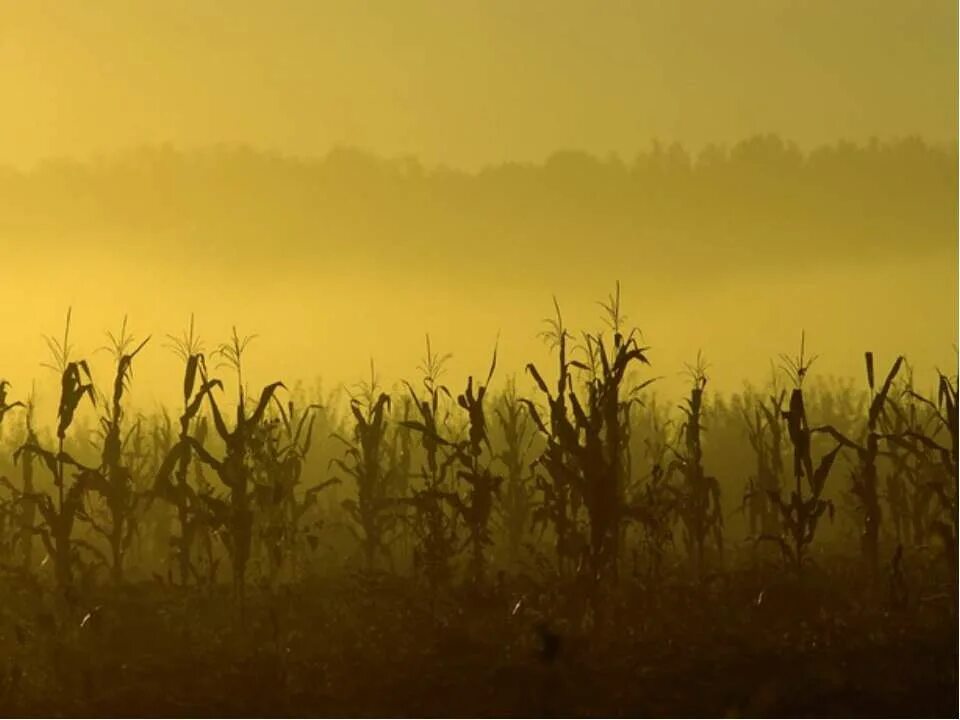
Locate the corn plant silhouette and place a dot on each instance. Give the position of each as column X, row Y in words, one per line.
column 5, row 405
column 864, row 476
column 944, row 477
column 916, row 469
column 908, row 494
column 652, row 499
column 113, row 479
column 59, row 512
column 765, row 433
column 699, row 495
column 516, row 503
column 365, row 461
column 586, row 451
column 560, row 499
column 801, row 512
column 176, row 490
column 27, row 508
column 10, row 510
column 475, row 457
column 435, row 529
column 279, row 448
column 235, row 469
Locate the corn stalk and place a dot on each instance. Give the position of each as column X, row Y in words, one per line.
column 435, row 529
column 279, row 450
column 113, row 479
column 172, row 482
column 59, row 512
column 765, row 433
column 699, row 494
column 235, row 468
column 516, row 504
column 802, row 510
column 865, row 479
column 586, row 441
column 944, row 481
column 475, row 458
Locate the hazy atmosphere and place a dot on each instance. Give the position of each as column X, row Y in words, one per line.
column 335, row 261
column 470, row 83
column 714, row 194
column 168, row 158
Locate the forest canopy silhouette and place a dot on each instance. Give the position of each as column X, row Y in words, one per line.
column 761, row 199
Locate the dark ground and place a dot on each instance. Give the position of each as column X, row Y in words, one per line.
column 377, row 646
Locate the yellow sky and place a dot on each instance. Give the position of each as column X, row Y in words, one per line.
column 467, row 82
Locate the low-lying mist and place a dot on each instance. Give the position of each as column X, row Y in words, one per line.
column 337, row 262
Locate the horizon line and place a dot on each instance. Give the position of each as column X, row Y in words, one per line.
column 694, row 152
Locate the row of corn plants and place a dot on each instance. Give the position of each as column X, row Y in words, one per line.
column 587, row 463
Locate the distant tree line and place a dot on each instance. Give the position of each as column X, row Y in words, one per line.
column 757, row 201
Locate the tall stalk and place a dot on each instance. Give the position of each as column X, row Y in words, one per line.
column 587, row 439
column 802, row 511
column 235, row 467
column 699, row 495
column 60, row 512
column 177, row 460
column 113, row 479
column 366, row 463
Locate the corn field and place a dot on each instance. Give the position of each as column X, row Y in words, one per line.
column 531, row 540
